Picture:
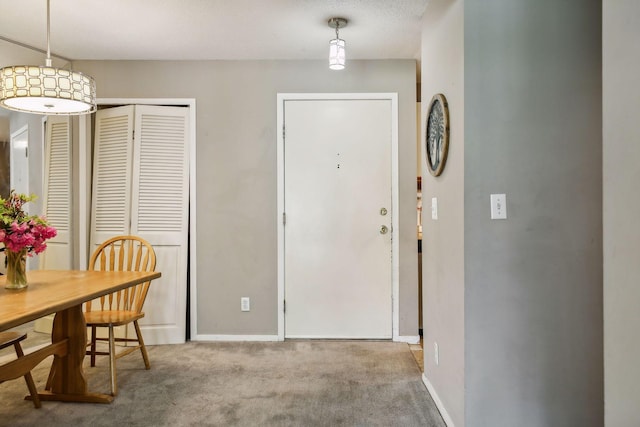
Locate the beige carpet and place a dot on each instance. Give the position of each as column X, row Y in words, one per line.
column 291, row 383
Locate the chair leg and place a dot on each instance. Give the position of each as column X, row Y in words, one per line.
column 112, row 361
column 143, row 348
column 52, row 372
column 29, row 379
column 93, row 346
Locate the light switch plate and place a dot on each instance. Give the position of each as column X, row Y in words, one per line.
column 498, row 206
column 434, row 208
column 245, row 304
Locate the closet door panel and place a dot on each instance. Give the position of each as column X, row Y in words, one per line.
column 57, row 200
column 159, row 214
column 112, row 171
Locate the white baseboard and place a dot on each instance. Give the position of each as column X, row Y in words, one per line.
column 235, row 338
column 334, row 337
column 432, row 391
column 409, row 339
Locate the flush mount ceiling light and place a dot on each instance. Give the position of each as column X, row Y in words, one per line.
column 337, row 56
column 45, row 89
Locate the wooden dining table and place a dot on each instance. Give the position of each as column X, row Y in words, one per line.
column 61, row 292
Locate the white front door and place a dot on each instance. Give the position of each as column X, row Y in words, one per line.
column 338, row 234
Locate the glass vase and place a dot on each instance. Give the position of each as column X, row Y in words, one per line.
column 16, row 269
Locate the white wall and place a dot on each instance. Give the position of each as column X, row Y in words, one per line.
column 36, row 159
column 36, row 163
column 443, row 240
column 621, row 105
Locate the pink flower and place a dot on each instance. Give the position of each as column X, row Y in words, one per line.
column 19, row 231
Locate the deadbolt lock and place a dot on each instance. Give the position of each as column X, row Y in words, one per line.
column 383, row 229
column 383, row 211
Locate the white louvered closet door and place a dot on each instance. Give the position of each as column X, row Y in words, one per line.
column 57, row 201
column 160, row 207
column 141, row 188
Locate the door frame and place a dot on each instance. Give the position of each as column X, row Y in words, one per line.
column 85, row 171
column 395, row 200
column 14, row 135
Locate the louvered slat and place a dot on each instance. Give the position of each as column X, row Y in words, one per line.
column 162, row 171
column 112, row 172
column 57, row 192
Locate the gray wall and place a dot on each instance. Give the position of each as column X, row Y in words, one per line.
column 236, row 170
column 621, row 103
column 533, row 291
column 443, row 240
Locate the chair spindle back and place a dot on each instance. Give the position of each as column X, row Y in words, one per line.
column 124, row 253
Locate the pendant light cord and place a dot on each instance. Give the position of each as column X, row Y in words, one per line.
column 48, row 34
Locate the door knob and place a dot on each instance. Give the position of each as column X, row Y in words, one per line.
column 383, row 211
column 383, row 229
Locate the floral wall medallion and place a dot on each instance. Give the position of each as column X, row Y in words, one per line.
column 437, row 134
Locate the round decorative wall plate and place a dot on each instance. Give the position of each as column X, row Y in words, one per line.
column 437, row 134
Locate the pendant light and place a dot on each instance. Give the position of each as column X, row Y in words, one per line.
column 337, row 55
column 45, row 89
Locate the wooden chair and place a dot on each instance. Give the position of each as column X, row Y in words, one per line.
column 121, row 253
column 14, row 338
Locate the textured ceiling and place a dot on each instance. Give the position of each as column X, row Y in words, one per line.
column 211, row 29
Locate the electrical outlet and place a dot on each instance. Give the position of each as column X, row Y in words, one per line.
column 436, row 355
column 245, row 304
